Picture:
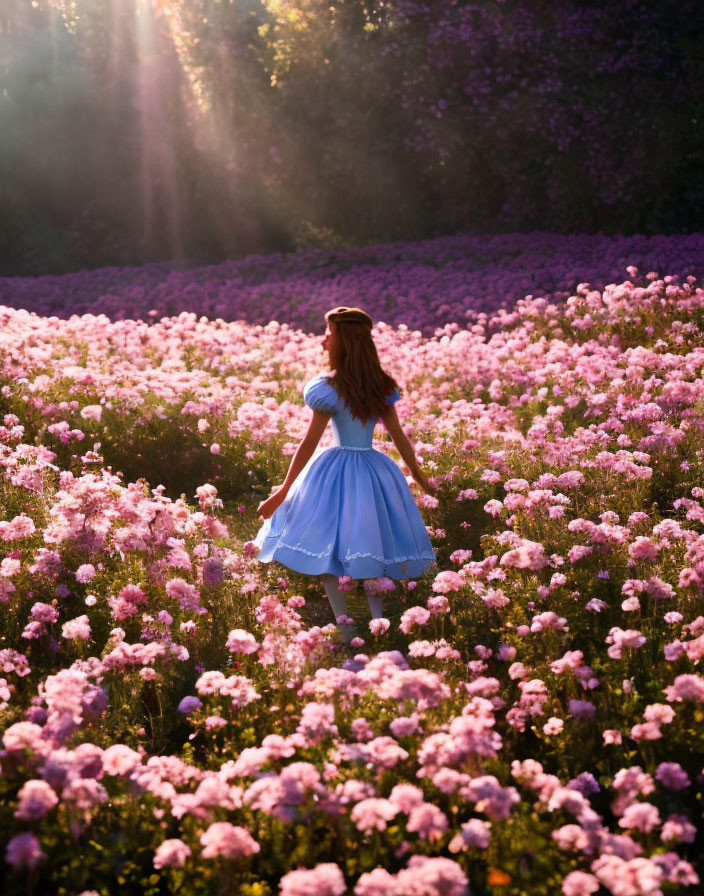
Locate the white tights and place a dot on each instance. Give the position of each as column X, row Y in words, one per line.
column 338, row 603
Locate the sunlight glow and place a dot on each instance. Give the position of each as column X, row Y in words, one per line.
column 183, row 41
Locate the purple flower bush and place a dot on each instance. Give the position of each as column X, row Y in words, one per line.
column 525, row 718
column 420, row 285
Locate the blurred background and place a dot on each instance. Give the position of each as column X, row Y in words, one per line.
column 198, row 130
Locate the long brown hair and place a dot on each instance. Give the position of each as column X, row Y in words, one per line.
column 358, row 377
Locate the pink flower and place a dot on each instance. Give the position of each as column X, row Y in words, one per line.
column 77, row 629
column 517, row 670
column 619, row 639
column 187, row 595
column 553, row 726
column 642, row 548
column 35, row 799
column 214, row 722
column 44, row 613
column 494, row 598
column 493, row 507
column 207, row 493
column 428, row 820
column 379, row 586
column 579, row 883
column 127, row 601
column 92, row 412
column 376, row 883
column 506, row 652
column 573, row 659
column 447, row 581
column 119, row 759
column 413, row 616
column 426, row 876
column 85, row 573
column 660, row 713
column 438, row 606
column 19, row 527
column 642, row 816
column 373, row 814
column 686, row 687
column 421, row 648
column 317, row 722
column 528, row 555
column 406, row 797
column 404, row 726
column 324, row 880
column 225, row 839
column 171, row 854
column 544, row 621
column 679, row 828
column 379, row 626
column 646, row 731
column 250, row 549
column 240, row 641
column 474, row 834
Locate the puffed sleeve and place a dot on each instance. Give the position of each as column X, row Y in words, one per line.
column 319, row 395
column 394, row 397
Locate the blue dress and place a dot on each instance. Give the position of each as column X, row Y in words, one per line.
column 350, row 510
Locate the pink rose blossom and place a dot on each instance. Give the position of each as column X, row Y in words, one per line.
column 240, row 641
column 373, row 814
column 379, row 626
column 375, row 883
column 413, row 616
column 230, row 841
column 324, row 880
column 77, row 629
column 171, row 854
column 85, row 573
column 35, row 799
column 579, row 883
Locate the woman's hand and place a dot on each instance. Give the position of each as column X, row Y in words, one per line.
column 267, row 507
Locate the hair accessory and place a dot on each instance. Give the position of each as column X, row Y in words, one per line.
column 343, row 313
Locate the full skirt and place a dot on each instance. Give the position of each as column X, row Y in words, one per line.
column 349, row 512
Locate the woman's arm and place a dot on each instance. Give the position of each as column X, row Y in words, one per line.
column 305, row 450
column 303, row 454
column 390, row 420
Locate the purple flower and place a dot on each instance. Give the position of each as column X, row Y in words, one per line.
column 189, row 705
column 24, row 851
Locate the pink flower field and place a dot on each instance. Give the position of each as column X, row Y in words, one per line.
column 528, row 717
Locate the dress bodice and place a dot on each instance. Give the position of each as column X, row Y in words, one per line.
column 349, row 432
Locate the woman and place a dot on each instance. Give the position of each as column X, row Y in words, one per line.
column 348, row 510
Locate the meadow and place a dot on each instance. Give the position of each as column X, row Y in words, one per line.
column 526, row 721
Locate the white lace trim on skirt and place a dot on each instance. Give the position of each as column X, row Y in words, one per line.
column 424, row 555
